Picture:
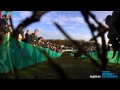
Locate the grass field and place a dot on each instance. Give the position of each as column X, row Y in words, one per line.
column 74, row 69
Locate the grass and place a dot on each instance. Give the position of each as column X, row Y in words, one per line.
column 74, row 68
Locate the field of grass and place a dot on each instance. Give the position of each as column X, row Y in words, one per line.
column 73, row 68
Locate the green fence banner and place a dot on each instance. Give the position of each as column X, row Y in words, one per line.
column 20, row 54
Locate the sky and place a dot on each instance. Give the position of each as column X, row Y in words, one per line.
column 71, row 21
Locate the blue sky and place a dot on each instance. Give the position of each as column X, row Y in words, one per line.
column 71, row 21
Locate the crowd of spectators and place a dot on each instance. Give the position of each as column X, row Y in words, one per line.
column 31, row 38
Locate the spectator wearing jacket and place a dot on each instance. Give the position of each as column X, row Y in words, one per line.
column 33, row 39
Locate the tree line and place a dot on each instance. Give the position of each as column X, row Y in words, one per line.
column 84, row 44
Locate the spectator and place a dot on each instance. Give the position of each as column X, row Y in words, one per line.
column 19, row 37
column 40, row 41
column 22, row 34
column 2, row 30
column 47, row 44
column 2, row 25
column 33, row 39
column 107, row 20
column 5, row 17
column 27, row 36
column 10, row 27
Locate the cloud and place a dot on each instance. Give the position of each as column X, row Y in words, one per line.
column 61, row 19
column 67, row 20
column 51, row 34
column 16, row 19
column 76, row 19
column 25, row 14
column 71, row 27
column 46, row 21
column 47, row 18
column 21, row 16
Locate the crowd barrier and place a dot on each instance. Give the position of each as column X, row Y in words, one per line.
column 20, row 54
column 94, row 56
